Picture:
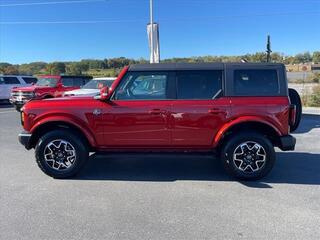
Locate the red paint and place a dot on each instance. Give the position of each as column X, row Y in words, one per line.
column 46, row 91
column 157, row 124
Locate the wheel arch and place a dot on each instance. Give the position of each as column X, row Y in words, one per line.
column 48, row 126
column 263, row 127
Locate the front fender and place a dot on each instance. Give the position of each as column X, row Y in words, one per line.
column 65, row 118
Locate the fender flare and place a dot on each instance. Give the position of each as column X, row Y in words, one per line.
column 76, row 123
column 225, row 128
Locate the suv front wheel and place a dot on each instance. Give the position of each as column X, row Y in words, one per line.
column 248, row 156
column 60, row 153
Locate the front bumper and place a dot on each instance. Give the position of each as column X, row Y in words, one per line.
column 287, row 143
column 24, row 139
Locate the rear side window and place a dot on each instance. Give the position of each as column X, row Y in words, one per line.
column 256, row 82
column 67, row 82
column 199, row 84
column 29, row 80
column 11, row 80
column 74, row 82
column 78, row 82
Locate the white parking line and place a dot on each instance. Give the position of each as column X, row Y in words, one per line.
column 8, row 111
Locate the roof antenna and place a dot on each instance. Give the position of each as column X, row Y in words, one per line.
column 268, row 49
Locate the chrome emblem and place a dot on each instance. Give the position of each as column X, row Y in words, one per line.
column 97, row 112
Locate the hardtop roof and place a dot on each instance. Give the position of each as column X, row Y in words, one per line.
column 194, row 66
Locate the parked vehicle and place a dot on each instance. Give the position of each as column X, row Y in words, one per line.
column 91, row 88
column 48, row 86
column 239, row 111
column 8, row 82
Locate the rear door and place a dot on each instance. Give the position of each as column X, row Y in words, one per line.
column 200, row 108
column 139, row 111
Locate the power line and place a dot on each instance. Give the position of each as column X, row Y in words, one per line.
column 49, row 3
column 160, row 20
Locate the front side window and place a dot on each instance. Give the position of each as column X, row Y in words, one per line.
column 142, row 86
column 256, row 82
column 49, row 82
column 200, row 84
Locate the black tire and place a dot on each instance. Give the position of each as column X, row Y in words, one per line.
column 18, row 107
column 233, row 144
column 296, row 100
column 77, row 146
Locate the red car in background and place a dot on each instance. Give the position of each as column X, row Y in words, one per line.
column 47, row 86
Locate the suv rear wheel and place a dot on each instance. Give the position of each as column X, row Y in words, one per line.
column 60, row 153
column 248, row 156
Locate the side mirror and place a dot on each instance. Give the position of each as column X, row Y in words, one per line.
column 59, row 85
column 104, row 93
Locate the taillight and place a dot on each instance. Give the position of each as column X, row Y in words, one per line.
column 292, row 114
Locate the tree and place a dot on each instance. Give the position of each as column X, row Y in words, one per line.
column 73, row 69
column 56, row 68
column 10, row 70
column 303, row 58
column 33, row 68
column 316, row 57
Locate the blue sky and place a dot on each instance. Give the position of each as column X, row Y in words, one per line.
column 113, row 28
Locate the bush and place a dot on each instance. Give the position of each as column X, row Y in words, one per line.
column 315, row 97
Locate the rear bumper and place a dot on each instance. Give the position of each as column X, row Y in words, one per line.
column 287, row 143
column 24, row 139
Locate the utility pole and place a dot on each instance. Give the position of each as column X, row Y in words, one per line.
column 151, row 36
column 268, row 49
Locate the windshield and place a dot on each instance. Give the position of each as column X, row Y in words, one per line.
column 97, row 84
column 50, row 82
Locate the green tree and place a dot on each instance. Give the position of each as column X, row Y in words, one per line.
column 10, row 70
column 74, row 69
column 303, row 58
column 316, row 57
column 56, row 68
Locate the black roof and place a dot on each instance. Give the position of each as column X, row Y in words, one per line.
column 192, row 66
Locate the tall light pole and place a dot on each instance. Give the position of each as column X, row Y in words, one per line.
column 151, row 35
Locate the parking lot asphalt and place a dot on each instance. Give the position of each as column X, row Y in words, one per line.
column 148, row 196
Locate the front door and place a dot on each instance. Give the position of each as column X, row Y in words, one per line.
column 200, row 108
column 137, row 114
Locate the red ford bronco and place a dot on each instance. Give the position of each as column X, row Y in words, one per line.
column 47, row 86
column 241, row 111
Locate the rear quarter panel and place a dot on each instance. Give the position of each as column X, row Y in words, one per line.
column 272, row 110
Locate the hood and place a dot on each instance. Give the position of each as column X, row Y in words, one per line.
column 58, row 104
column 29, row 88
column 83, row 92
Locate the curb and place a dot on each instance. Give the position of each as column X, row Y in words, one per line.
column 310, row 111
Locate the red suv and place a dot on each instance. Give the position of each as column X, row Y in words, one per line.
column 47, row 86
column 240, row 111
